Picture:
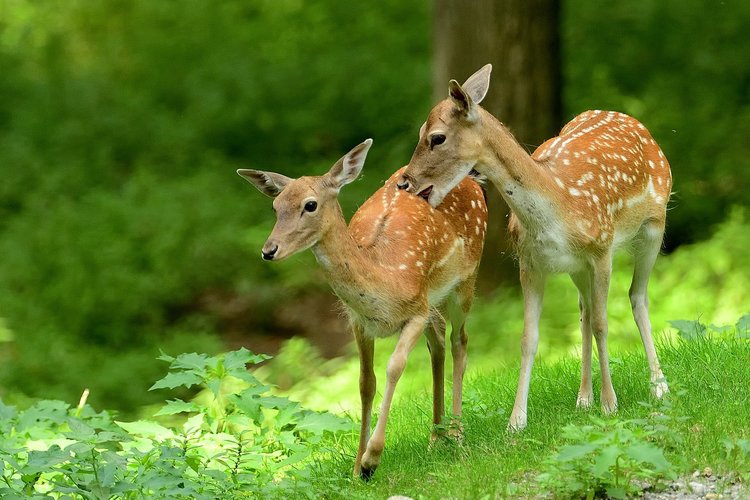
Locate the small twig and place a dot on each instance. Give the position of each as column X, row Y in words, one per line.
column 82, row 402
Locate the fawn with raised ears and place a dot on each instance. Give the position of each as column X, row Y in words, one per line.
column 399, row 266
column 602, row 184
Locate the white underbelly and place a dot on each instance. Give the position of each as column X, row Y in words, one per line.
column 551, row 253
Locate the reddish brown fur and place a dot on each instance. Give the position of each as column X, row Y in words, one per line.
column 399, row 266
column 602, row 161
column 601, row 184
column 406, row 238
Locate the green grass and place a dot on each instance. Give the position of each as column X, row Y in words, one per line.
column 708, row 377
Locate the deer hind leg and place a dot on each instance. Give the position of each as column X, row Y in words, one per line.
column 367, row 385
column 396, row 364
column 600, row 277
column 585, row 397
column 436, row 344
column 645, row 254
column 533, row 293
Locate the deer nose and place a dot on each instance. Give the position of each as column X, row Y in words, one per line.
column 268, row 254
column 404, row 184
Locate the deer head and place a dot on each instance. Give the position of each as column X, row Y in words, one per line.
column 450, row 141
column 305, row 207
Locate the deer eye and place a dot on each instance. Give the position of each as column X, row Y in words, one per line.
column 311, row 206
column 436, row 140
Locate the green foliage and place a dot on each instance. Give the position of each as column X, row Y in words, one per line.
column 238, row 440
column 605, row 458
column 122, row 223
column 737, row 453
column 243, row 444
column 694, row 330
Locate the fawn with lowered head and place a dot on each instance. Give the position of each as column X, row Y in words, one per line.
column 399, row 266
column 603, row 183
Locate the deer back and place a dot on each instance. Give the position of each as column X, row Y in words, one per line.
column 610, row 173
column 425, row 249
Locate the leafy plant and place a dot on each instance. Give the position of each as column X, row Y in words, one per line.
column 737, row 453
column 238, row 441
column 605, row 458
column 694, row 329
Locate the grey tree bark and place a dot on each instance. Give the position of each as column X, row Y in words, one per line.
column 521, row 40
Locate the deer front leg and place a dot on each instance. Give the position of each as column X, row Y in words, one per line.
column 436, row 345
column 532, row 284
column 599, row 291
column 408, row 338
column 367, row 384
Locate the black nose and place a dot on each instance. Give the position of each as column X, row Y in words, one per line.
column 404, row 184
column 269, row 254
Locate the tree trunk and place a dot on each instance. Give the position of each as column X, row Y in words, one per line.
column 521, row 40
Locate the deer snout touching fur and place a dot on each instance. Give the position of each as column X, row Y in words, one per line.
column 401, row 266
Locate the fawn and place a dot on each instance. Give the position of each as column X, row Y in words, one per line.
column 602, row 184
column 399, row 266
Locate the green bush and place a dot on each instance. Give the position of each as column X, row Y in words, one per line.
column 122, row 222
column 607, row 458
column 241, row 443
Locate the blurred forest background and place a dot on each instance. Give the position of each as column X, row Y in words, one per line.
column 124, row 229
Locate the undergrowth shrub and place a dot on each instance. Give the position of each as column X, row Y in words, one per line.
column 235, row 441
column 607, row 458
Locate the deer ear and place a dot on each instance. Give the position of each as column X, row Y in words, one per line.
column 268, row 183
column 461, row 100
column 348, row 168
column 477, row 85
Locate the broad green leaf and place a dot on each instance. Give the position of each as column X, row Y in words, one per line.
column 215, row 386
column 743, row 326
column 689, row 330
column 48, row 411
column 172, row 380
column 720, row 328
column 44, row 461
column 147, row 429
column 575, row 451
column 194, row 423
column 287, row 414
column 616, row 492
column 650, row 454
column 175, row 406
column 236, row 360
column 248, row 404
column 79, row 429
column 605, row 460
column 165, row 357
column 317, row 423
column 191, row 361
column 6, row 412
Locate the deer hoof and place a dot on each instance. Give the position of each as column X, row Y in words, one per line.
column 366, row 473
column 584, row 401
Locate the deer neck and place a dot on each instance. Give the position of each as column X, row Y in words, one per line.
column 342, row 260
column 526, row 185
